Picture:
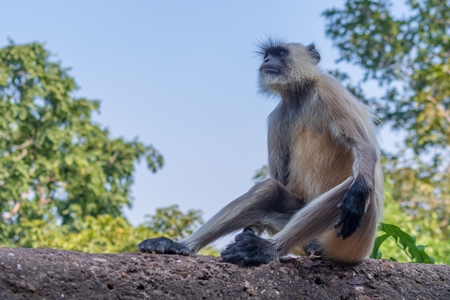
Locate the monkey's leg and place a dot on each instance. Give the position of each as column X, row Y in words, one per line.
column 267, row 204
column 314, row 219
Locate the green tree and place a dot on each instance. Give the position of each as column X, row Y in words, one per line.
column 63, row 180
column 108, row 234
column 57, row 167
column 408, row 56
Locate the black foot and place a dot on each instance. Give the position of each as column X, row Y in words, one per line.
column 163, row 245
column 352, row 209
column 249, row 250
column 313, row 249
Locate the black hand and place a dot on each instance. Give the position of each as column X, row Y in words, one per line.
column 163, row 245
column 352, row 208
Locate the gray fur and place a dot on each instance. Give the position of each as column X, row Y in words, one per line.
column 320, row 139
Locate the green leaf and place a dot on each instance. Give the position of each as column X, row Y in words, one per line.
column 404, row 241
column 376, row 247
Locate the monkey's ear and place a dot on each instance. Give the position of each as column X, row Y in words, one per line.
column 313, row 52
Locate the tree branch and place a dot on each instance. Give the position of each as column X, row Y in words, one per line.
column 23, row 154
column 42, row 199
column 113, row 158
column 25, row 144
column 16, row 206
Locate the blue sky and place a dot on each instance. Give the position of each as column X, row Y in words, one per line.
column 180, row 75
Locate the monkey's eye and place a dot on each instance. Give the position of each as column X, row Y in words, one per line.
column 276, row 52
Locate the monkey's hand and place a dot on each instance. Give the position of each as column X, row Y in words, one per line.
column 352, row 209
column 163, row 245
column 249, row 250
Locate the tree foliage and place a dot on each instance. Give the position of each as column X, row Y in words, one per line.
column 408, row 56
column 108, row 234
column 63, row 180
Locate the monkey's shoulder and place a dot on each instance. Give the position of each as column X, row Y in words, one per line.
column 333, row 95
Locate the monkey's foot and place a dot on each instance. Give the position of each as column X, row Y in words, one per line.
column 163, row 245
column 249, row 250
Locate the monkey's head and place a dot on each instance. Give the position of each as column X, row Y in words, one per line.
column 286, row 65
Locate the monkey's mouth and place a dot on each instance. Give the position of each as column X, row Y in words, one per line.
column 269, row 70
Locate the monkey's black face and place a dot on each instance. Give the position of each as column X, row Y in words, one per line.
column 274, row 61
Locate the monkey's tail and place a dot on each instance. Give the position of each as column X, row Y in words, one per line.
column 317, row 217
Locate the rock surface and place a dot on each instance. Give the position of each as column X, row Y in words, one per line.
column 56, row 274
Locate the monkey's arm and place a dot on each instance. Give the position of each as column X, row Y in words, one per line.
column 351, row 126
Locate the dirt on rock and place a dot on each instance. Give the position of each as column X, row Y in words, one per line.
column 57, row 274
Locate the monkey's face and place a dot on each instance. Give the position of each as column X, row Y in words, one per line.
column 274, row 63
column 286, row 65
column 275, row 66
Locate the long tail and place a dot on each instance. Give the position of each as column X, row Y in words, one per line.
column 317, row 217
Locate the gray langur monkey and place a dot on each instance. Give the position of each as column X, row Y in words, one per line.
column 325, row 191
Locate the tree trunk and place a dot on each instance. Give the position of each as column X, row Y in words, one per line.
column 56, row 274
